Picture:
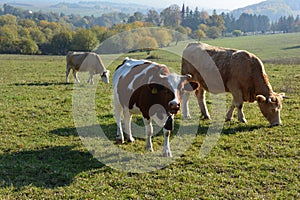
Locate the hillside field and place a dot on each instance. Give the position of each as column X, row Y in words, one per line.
column 43, row 157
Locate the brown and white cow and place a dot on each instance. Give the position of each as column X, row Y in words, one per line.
column 148, row 88
column 243, row 75
column 86, row 62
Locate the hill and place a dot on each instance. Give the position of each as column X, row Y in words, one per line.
column 274, row 9
column 84, row 8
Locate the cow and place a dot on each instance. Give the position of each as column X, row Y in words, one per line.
column 86, row 62
column 148, row 88
column 242, row 74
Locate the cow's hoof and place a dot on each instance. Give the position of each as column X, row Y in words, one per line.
column 228, row 119
column 187, row 117
column 130, row 139
column 167, row 153
column 149, row 149
column 243, row 121
column 206, row 117
column 120, row 140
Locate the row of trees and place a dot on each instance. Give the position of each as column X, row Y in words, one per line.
column 27, row 36
column 29, row 32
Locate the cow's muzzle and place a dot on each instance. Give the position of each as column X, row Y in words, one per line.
column 174, row 107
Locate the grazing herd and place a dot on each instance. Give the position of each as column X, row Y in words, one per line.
column 148, row 88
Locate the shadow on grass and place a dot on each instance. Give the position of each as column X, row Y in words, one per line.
column 46, row 168
column 293, row 47
column 42, row 84
column 110, row 130
column 240, row 128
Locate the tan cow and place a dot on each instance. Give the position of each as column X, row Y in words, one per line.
column 243, row 75
column 86, row 62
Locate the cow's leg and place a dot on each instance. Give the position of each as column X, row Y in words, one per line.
column 167, row 150
column 185, row 105
column 200, row 94
column 76, row 76
column 238, row 102
column 127, row 123
column 67, row 74
column 241, row 115
column 149, row 133
column 91, row 81
column 118, row 115
column 229, row 115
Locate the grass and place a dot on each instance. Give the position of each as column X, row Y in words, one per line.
column 42, row 156
column 277, row 47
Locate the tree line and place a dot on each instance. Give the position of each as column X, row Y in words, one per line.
column 27, row 32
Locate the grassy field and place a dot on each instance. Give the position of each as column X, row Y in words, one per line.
column 42, row 156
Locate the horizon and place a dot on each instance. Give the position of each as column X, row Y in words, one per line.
column 201, row 4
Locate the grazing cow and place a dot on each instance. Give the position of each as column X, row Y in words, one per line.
column 243, row 75
column 147, row 88
column 86, row 62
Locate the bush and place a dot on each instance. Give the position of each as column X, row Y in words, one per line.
column 237, row 33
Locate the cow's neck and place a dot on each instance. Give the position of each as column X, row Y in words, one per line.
column 263, row 86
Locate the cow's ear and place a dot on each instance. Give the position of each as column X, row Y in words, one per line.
column 283, row 96
column 190, row 86
column 260, row 98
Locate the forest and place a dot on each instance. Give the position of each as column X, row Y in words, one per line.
column 27, row 32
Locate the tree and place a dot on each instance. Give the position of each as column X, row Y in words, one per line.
column 171, row 16
column 200, row 34
column 27, row 46
column 162, row 37
column 37, row 35
column 8, row 20
column 153, row 17
column 84, row 40
column 137, row 16
column 229, row 22
column 9, row 32
column 237, row 33
column 180, row 34
column 61, row 43
column 147, row 43
column 213, row 32
column 263, row 23
column 217, row 21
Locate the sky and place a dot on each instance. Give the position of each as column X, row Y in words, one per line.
column 214, row 4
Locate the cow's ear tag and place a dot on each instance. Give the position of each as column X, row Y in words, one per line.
column 154, row 90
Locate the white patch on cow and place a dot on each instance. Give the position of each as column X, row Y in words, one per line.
column 130, row 86
column 125, row 69
column 174, row 81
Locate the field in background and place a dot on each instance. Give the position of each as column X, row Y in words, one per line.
column 277, row 47
column 42, row 157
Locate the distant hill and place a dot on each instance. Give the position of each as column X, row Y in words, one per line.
column 97, row 8
column 274, row 9
column 93, row 7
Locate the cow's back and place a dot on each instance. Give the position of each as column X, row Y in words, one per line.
column 208, row 65
column 239, row 69
column 75, row 59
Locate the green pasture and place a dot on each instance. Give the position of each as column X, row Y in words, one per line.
column 43, row 157
column 277, row 47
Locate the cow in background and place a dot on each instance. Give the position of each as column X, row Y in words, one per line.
column 243, row 75
column 86, row 62
column 148, row 88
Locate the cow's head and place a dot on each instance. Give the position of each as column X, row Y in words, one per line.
column 270, row 107
column 105, row 76
column 169, row 89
